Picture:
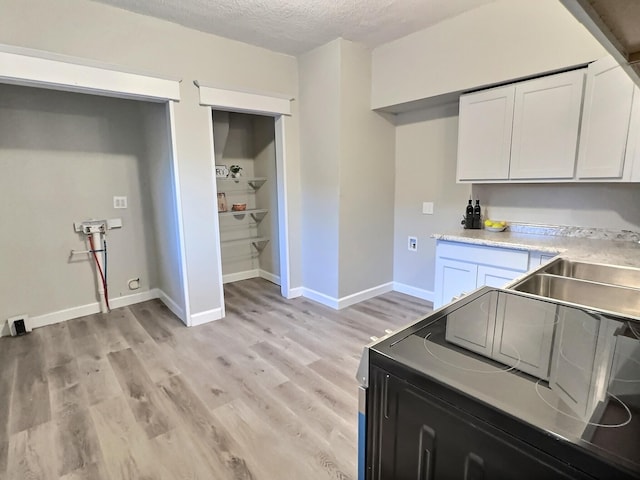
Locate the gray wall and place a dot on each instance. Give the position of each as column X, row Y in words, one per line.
column 426, row 150
column 264, row 151
column 367, row 143
column 320, row 167
column 92, row 30
column 347, row 174
column 500, row 41
column 250, row 144
column 63, row 156
column 426, row 153
column 161, row 214
column 238, row 150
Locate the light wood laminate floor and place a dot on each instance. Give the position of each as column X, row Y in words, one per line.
column 266, row 393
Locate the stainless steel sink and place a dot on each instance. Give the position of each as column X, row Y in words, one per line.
column 610, row 274
column 601, row 296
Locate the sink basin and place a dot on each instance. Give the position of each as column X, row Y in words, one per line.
column 610, row 274
column 600, row 296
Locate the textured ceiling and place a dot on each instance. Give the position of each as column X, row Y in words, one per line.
column 296, row 26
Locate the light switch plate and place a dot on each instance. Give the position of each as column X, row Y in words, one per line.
column 427, row 208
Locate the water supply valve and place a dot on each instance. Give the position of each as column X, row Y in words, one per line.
column 93, row 226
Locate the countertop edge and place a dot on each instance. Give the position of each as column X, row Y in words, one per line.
column 513, row 244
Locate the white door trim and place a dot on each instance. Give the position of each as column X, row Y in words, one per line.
column 36, row 68
column 178, row 202
column 275, row 106
column 217, row 248
column 244, row 101
column 283, row 214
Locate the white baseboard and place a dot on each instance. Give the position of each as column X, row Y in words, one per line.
column 51, row 318
column 364, row 295
column 64, row 315
column 236, row 277
column 414, row 292
column 205, row 317
column 177, row 310
column 295, row 292
column 320, row 297
column 340, row 303
column 127, row 300
column 269, row 276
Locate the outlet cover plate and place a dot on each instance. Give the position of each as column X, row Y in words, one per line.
column 412, row 244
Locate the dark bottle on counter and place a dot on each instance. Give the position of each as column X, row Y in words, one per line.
column 477, row 215
column 468, row 218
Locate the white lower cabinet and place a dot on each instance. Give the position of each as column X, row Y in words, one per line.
column 461, row 268
column 455, row 278
column 524, row 334
column 574, row 353
column 473, row 329
column 522, row 339
column 515, row 331
column 495, row 277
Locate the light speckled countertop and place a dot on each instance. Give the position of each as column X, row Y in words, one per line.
column 601, row 249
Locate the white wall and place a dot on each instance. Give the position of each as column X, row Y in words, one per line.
column 494, row 43
column 426, row 150
column 91, row 30
column 611, row 206
column 161, row 214
column 320, row 166
column 63, row 156
column 367, row 143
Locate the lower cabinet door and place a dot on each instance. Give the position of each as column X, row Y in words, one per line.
column 452, row 279
column 473, row 329
column 574, row 355
column 495, row 277
column 524, row 334
column 434, row 440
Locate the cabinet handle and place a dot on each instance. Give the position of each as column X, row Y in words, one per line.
column 385, row 397
column 473, row 467
column 427, row 445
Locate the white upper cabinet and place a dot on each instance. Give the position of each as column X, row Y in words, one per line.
column 545, row 126
column 632, row 154
column 484, row 134
column 605, row 121
column 553, row 129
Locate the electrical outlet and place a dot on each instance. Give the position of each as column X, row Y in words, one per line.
column 119, row 202
column 427, row 208
column 413, row 244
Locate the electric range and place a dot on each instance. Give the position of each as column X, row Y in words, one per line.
column 560, row 379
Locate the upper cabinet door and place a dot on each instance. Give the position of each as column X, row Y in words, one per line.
column 632, row 157
column 605, row 120
column 484, row 134
column 545, row 126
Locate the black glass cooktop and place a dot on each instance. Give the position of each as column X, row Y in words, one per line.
column 571, row 372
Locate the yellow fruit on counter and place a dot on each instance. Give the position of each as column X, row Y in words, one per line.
column 488, row 223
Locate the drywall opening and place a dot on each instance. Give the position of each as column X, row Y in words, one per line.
column 246, row 182
column 63, row 157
